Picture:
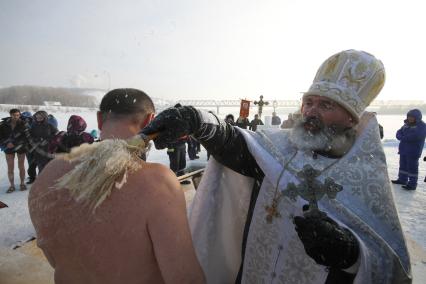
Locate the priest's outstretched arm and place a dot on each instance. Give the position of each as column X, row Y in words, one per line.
column 222, row 140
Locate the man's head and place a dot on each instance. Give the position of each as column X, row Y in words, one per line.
column 343, row 87
column 229, row 118
column 131, row 106
column 414, row 116
column 15, row 114
column 351, row 79
column 41, row 116
column 319, row 111
column 256, row 116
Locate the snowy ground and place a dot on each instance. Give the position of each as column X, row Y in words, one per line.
column 15, row 224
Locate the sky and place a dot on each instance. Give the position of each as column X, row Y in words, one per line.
column 203, row 49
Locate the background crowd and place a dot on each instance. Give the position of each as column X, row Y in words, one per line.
column 37, row 139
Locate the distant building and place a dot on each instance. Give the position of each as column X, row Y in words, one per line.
column 49, row 103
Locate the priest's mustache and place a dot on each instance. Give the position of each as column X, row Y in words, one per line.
column 313, row 122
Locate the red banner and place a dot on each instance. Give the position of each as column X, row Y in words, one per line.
column 244, row 108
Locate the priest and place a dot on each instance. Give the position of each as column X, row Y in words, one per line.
column 308, row 205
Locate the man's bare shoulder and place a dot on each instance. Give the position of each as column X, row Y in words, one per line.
column 157, row 180
column 154, row 174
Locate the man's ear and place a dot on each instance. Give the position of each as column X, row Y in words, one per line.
column 99, row 117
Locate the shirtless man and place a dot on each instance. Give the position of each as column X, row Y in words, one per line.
column 139, row 234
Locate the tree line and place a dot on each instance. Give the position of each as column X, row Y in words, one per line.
column 34, row 95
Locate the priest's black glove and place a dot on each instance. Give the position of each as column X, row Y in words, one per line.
column 176, row 122
column 326, row 242
column 424, row 158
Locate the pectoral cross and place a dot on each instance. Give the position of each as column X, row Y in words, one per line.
column 310, row 189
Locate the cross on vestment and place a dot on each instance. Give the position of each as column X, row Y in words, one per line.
column 310, row 189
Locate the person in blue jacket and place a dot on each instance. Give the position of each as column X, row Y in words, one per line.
column 52, row 120
column 412, row 139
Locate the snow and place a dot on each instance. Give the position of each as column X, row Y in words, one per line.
column 16, row 225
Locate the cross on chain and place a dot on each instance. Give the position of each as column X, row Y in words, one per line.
column 310, row 189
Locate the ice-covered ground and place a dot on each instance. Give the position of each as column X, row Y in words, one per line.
column 15, row 224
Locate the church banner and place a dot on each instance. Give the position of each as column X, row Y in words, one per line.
column 244, row 108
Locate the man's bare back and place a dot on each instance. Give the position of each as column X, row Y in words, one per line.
column 139, row 234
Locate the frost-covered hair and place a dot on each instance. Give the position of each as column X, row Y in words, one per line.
column 126, row 102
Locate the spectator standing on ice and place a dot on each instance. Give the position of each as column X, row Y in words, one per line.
column 288, row 123
column 242, row 122
column 41, row 134
column 28, row 118
column 192, row 148
column 276, row 120
column 13, row 141
column 255, row 122
column 412, row 139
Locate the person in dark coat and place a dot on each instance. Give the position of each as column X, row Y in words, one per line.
column 13, row 141
column 242, row 122
column 177, row 156
column 28, row 118
column 276, row 120
column 192, row 148
column 41, row 133
column 255, row 122
column 75, row 135
column 412, row 139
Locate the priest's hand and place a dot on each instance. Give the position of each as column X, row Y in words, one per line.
column 326, row 242
column 172, row 124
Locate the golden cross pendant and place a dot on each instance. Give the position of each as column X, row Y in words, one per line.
column 272, row 211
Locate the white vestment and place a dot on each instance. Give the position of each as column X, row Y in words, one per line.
column 274, row 253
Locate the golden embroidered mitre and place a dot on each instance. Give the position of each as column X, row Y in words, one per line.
column 351, row 78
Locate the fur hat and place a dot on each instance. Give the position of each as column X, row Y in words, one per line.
column 351, row 78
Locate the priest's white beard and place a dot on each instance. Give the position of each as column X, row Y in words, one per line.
column 334, row 140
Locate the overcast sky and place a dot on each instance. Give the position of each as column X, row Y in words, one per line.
column 216, row 49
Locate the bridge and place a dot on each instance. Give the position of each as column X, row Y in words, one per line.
column 287, row 103
column 236, row 103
